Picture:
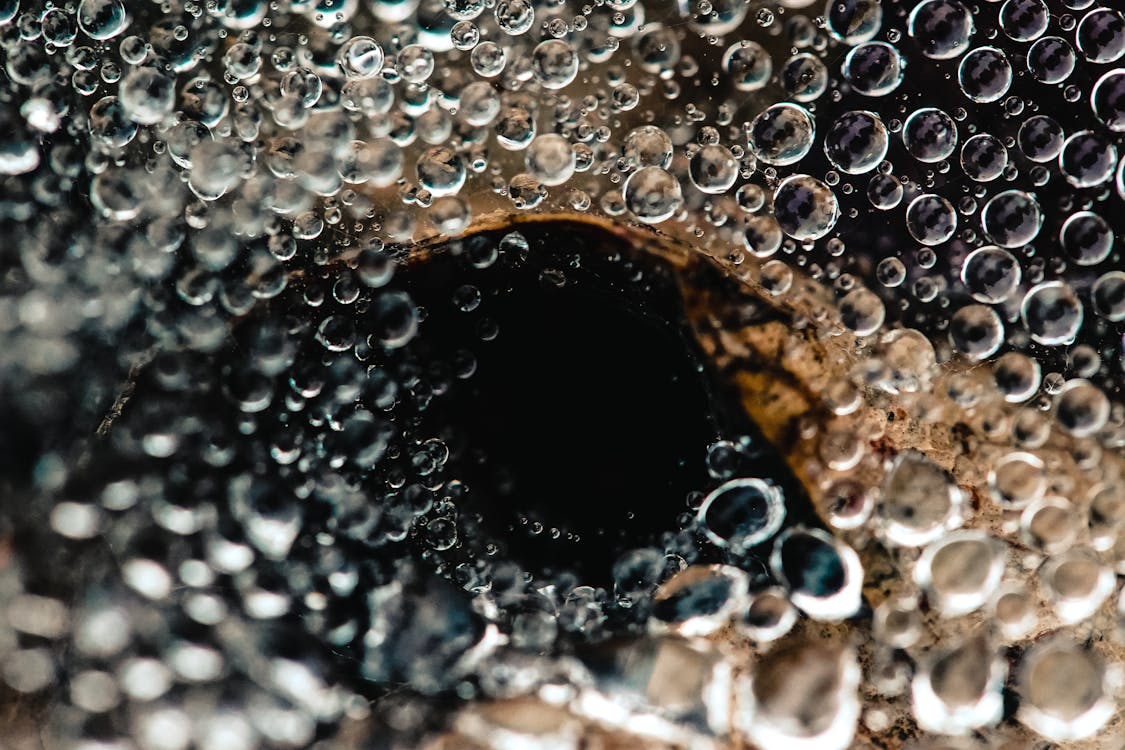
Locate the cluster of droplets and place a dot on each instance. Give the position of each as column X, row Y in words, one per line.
column 949, row 167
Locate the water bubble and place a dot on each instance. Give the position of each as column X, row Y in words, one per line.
column 854, row 21
column 874, row 68
column 1052, row 313
column 805, row 208
column 1024, row 20
column 102, row 19
column 804, row 77
column 713, row 169
column 1087, row 238
column 920, row 503
column 700, row 600
column 782, row 134
column 1087, row 159
column 441, row 170
column 647, row 146
column 983, row 157
column 1017, row 376
column 1108, row 100
column 1063, row 690
column 976, row 331
column 360, row 58
column 742, row 513
column 1012, row 218
column 1081, row 408
column 856, row 142
column 823, row 575
column 1108, row 296
column 653, row 195
column 941, row 28
column 1040, row 138
column 862, row 311
column 748, row 65
column 1101, row 35
column 884, row 191
column 930, row 135
column 514, row 17
column 550, row 159
column 930, row 219
column 985, row 74
column 1051, row 60
column 555, row 64
column 959, row 688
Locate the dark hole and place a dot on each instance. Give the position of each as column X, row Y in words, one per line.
column 589, row 413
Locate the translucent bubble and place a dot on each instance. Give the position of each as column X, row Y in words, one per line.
column 874, row 68
column 647, row 146
column 823, row 575
column 884, row 191
column 1108, row 100
column 804, row 77
column 102, row 19
column 1081, row 408
column 890, row 272
column 1108, row 296
column 109, row 123
column 1011, row 218
column 514, row 17
column 1077, row 583
column 1052, row 313
column 1063, row 691
column 1040, row 138
column 976, row 331
column 700, row 599
column 1050, row 525
column 919, row 502
column 554, row 63
column 985, row 74
column 1087, row 159
column 770, row 616
column 930, row 219
column 441, row 170
column 713, row 169
column 782, row 134
column 488, row 59
column 147, row 96
column 713, row 17
column 941, row 28
column 360, row 58
column 983, row 157
column 958, row 688
column 762, row 237
column 1024, row 20
column 805, row 208
column 742, row 513
column 653, row 195
column 1017, row 376
column 1101, row 35
column 415, row 63
column 550, row 159
column 1051, row 60
column 960, row 571
column 1087, row 238
column 396, row 319
column 930, row 135
column 853, row 21
column 856, row 142
column 862, row 311
column 803, row 695
column 515, row 129
column 748, row 65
